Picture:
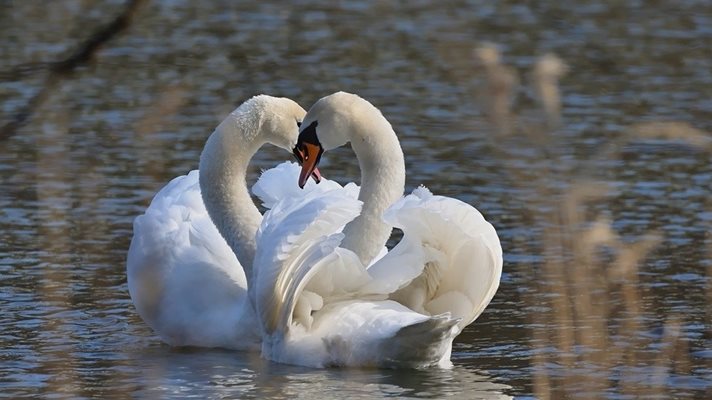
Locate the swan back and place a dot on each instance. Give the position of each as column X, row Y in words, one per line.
column 183, row 278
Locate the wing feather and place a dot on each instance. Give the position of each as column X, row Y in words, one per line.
column 297, row 238
column 449, row 260
column 184, row 280
column 279, row 183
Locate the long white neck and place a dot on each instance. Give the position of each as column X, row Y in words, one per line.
column 223, row 168
column 382, row 183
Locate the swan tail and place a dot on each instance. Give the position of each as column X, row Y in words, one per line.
column 449, row 260
column 422, row 344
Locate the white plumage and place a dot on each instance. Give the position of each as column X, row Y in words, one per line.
column 317, row 289
column 319, row 305
column 185, row 281
column 183, row 272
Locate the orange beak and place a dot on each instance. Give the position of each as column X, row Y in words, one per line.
column 308, row 155
column 299, row 154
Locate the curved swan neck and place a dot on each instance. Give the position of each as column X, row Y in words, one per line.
column 382, row 183
column 223, row 170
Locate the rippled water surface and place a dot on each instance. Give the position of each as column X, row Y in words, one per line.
column 604, row 219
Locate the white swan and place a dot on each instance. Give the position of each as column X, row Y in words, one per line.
column 317, row 303
column 183, row 274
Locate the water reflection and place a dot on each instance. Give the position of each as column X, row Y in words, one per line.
column 605, row 296
column 197, row 372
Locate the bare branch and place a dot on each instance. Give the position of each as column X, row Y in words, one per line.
column 61, row 69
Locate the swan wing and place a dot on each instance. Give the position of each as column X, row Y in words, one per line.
column 449, row 260
column 184, row 280
column 298, row 238
column 277, row 183
column 318, row 304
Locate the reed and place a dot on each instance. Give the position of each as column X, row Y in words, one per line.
column 591, row 334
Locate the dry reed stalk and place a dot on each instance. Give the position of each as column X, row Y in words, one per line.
column 170, row 100
column 498, row 88
column 594, row 313
column 548, row 69
column 156, row 117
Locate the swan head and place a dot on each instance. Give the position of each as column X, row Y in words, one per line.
column 277, row 119
column 332, row 122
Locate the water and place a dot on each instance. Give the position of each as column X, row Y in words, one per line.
column 108, row 136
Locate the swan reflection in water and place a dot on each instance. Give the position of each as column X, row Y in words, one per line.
column 161, row 371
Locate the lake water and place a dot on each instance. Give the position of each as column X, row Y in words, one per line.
column 604, row 218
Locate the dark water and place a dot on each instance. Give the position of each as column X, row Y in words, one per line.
column 104, row 138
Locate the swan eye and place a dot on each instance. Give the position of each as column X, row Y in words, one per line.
column 299, row 124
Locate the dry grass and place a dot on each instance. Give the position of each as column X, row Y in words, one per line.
column 592, row 336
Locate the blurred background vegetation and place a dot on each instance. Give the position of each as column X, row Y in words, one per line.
column 580, row 130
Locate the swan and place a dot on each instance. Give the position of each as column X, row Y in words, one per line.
column 322, row 295
column 190, row 258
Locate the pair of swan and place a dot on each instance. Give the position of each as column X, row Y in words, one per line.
column 316, row 286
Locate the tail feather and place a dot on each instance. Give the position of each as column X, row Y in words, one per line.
column 420, row 345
